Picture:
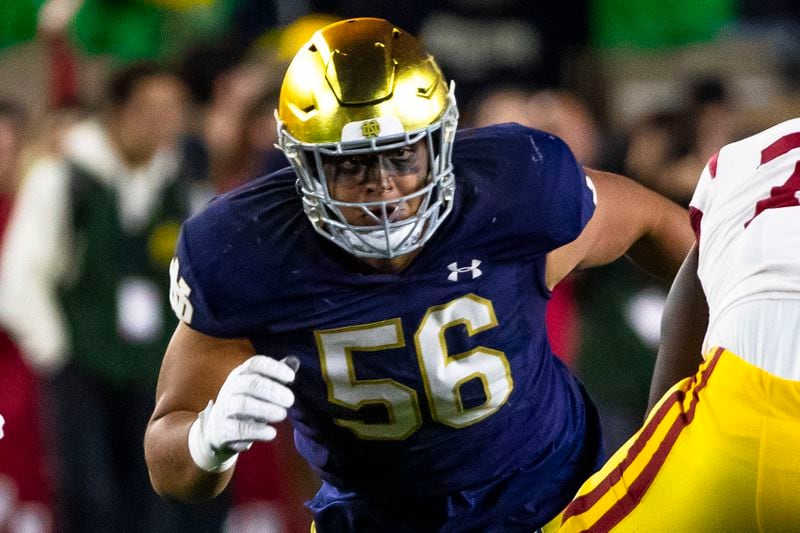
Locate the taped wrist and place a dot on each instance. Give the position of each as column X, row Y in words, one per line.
column 205, row 457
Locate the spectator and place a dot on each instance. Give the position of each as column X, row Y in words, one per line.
column 668, row 149
column 83, row 290
column 242, row 104
column 25, row 490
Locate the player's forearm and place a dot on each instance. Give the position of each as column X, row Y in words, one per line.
column 173, row 473
column 668, row 238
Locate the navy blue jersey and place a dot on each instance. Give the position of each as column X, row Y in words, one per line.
column 432, row 380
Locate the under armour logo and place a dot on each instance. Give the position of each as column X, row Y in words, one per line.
column 455, row 270
column 179, row 292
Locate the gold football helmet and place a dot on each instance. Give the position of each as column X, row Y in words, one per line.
column 358, row 86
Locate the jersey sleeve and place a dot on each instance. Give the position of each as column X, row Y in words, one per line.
column 567, row 200
column 190, row 287
column 533, row 195
column 557, row 199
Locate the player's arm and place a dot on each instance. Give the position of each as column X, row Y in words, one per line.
column 683, row 327
column 191, row 445
column 629, row 219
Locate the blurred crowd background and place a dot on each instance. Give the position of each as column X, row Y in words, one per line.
column 119, row 118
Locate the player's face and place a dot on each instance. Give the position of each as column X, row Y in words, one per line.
column 380, row 176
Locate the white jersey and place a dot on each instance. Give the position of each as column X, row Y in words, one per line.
column 746, row 210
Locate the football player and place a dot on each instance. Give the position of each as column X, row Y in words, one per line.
column 388, row 292
column 719, row 450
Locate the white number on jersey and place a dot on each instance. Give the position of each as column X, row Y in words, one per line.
column 179, row 292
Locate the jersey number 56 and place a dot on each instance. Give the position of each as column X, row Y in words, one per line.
column 442, row 373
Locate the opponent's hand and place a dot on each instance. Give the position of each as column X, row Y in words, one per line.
column 2, row 422
column 253, row 396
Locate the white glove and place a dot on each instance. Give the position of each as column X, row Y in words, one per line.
column 2, row 421
column 253, row 396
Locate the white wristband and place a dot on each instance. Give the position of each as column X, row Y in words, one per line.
column 202, row 454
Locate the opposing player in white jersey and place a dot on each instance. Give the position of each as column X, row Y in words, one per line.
column 720, row 451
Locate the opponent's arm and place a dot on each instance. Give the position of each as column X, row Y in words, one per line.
column 629, row 219
column 683, row 327
column 191, row 444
